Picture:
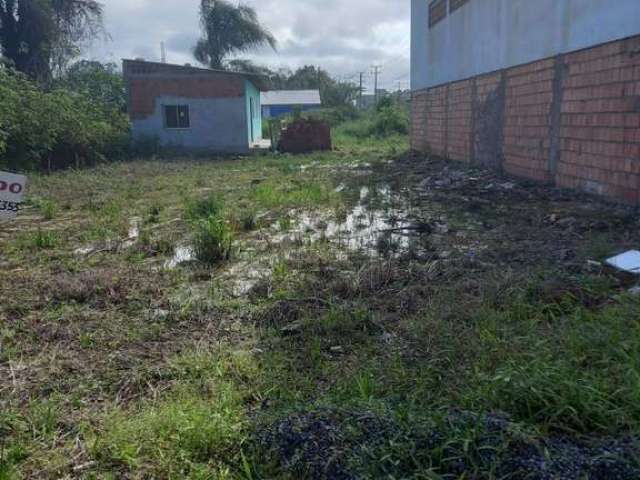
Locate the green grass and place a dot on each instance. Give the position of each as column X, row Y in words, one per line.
column 47, row 208
column 178, row 373
column 193, row 432
column 204, row 208
column 306, row 194
column 213, row 240
column 40, row 240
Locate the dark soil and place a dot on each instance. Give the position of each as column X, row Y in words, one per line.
column 341, row 445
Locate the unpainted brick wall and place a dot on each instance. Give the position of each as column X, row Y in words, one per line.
column 527, row 139
column 459, row 116
column 143, row 91
column 600, row 123
column 573, row 120
column 436, row 120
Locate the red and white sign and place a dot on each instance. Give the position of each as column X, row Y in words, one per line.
column 12, row 188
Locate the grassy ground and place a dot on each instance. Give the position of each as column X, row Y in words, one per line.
column 282, row 351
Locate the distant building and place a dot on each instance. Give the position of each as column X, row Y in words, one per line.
column 194, row 108
column 543, row 89
column 283, row 102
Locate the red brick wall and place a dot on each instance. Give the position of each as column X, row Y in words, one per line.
column 459, row 113
column 527, row 141
column 488, row 106
column 419, row 120
column 600, row 123
column 436, row 123
column 143, row 91
column 573, row 120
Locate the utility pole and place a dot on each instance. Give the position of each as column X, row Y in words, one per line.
column 376, row 70
column 360, row 90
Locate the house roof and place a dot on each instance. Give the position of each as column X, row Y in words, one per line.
column 143, row 67
column 291, row 97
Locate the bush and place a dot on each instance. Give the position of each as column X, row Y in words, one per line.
column 204, row 208
column 213, row 240
column 384, row 121
column 55, row 129
column 336, row 116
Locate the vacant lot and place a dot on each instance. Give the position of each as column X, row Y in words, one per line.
column 355, row 314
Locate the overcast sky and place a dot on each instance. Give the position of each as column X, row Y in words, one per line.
column 342, row 36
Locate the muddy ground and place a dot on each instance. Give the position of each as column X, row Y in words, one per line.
column 381, row 316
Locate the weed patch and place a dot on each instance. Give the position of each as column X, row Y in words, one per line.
column 213, row 240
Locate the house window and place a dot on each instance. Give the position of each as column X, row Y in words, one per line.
column 437, row 12
column 456, row 4
column 176, row 116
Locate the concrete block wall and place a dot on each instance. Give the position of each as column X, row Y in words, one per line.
column 572, row 120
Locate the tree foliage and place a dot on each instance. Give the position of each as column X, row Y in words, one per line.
column 101, row 82
column 332, row 92
column 228, row 29
column 55, row 129
column 39, row 37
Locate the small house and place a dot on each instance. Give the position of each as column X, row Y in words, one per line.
column 283, row 102
column 194, row 109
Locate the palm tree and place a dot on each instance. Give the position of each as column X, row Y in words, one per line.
column 39, row 36
column 228, row 29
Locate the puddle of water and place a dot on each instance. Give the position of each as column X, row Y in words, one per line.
column 134, row 228
column 85, row 250
column 134, row 232
column 108, row 245
column 102, row 246
column 364, row 228
column 182, row 254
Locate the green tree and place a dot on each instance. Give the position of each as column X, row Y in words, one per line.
column 228, row 29
column 332, row 92
column 39, row 37
column 56, row 128
column 101, row 82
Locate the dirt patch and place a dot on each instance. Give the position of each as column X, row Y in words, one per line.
column 339, row 444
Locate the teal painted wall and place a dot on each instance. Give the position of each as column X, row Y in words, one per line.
column 255, row 120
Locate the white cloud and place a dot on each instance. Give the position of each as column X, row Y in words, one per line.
column 342, row 36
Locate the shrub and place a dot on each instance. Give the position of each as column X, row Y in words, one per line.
column 55, row 129
column 41, row 240
column 337, row 115
column 385, row 121
column 213, row 240
column 204, row 208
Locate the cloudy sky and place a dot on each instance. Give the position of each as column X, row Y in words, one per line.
column 343, row 36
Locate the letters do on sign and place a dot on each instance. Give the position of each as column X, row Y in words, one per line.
column 12, row 188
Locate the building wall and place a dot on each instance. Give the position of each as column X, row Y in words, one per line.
column 253, row 121
column 217, row 124
column 144, row 90
column 572, row 120
column 274, row 111
column 483, row 36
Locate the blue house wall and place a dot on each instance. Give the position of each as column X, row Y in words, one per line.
column 254, row 118
column 274, row 111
